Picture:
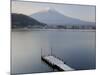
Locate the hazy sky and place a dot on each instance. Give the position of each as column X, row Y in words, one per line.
column 83, row 12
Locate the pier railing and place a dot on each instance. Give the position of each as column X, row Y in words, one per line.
column 45, row 52
column 54, row 61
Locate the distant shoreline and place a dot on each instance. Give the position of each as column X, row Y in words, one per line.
column 53, row 29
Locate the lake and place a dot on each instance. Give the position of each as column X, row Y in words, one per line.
column 75, row 47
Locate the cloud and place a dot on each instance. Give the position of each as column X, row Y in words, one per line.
column 26, row 8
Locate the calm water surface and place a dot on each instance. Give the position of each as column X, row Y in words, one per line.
column 75, row 47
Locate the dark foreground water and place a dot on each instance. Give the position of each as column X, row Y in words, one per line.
column 75, row 47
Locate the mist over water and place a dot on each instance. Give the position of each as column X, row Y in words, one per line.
column 76, row 48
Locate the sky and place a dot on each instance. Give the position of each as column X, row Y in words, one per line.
column 82, row 12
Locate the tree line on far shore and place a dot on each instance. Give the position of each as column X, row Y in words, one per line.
column 23, row 21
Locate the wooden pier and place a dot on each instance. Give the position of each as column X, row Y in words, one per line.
column 56, row 63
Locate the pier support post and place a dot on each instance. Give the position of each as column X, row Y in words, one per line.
column 51, row 51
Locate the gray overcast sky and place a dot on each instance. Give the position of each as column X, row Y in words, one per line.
column 82, row 12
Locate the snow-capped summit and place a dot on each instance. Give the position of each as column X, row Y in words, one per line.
column 53, row 17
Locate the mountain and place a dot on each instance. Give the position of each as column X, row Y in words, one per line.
column 53, row 17
column 21, row 20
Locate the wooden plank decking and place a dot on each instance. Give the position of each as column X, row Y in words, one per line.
column 56, row 63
